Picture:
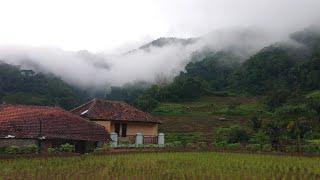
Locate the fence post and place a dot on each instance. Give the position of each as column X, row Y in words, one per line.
column 139, row 139
column 114, row 139
column 161, row 140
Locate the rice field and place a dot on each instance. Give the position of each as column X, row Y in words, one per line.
column 178, row 165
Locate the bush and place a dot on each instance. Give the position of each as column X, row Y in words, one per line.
column 220, row 144
column 234, row 146
column 312, row 135
column 238, row 134
column 66, row 148
column 29, row 149
column 198, row 146
column 12, row 150
column 184, row 138
column 292, row 148
column 311, row 149
column 234, row 134
column 202, row 145
column 267, row 147
column 260, row 138
column 2, row 150
column 177, row 144
column 169, row 145
column 315, row 142
column 222, row 135
column 254, row 147
column 255, row 123
column 51, row 150
column 191, row 145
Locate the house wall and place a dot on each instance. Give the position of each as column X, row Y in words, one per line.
column 147, row 129
column 105, row 124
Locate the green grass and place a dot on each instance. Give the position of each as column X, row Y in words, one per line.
column 313, row 94
column 194, row 165
column 207, row 113
column 210, row 106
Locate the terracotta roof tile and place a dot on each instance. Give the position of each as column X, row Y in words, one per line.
column 24, row 122
column 113, row 110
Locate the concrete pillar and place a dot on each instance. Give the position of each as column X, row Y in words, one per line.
column 114, row 139
column 161, row 140
column 139, row 139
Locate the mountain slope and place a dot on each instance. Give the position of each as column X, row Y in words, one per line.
column 19, row 86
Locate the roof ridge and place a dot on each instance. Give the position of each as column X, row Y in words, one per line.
column 94, row 102
column 83, row 105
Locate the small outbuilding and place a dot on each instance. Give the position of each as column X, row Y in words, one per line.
column 46, row 127
column 119, row 117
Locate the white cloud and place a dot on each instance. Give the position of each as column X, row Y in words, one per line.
column 97, row 25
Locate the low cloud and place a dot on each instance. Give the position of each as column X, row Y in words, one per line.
column 100, row 70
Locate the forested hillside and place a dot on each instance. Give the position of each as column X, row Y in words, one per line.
column 19, row 86
column 292, row 67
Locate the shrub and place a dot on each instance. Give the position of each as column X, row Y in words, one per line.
column 2, row 150
column 255, row 123
column 202, row 145
column 311, row 149
column 29, row 149
column 198, row 145
column 292, row 148
column 254, row 147
column 220, row 144
column 231, row 107
column 222, row 134
column 177, row 144
column 260, row 138
column 184, row 138
column 312, row 135
column 170, row 145
column 315, row 142
column 267, row 147
column 234, row 134
column 12, row 150
column 238, row 134
column 191, row 145
column 233, row 146
column 51, row 150
column 66, row 148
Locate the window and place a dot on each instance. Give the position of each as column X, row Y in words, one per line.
column 121, row 129
column 117, row 128
column 124, row 130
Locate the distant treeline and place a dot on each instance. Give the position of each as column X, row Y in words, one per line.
column 293, row 68
column 19, row 86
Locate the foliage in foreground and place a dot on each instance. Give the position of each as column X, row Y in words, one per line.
column 164, row 166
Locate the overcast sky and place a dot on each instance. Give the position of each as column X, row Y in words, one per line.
column 107, row 24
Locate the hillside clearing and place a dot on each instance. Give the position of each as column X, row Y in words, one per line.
column 207, row 113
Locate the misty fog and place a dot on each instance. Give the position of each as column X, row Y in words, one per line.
column 244, row 27
column 100, row 70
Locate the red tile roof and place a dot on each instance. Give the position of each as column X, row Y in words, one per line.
column 113, row 110
column 24, row 122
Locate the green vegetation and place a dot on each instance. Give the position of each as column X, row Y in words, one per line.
column 19, row 150
column 19, row 86
column 164, row 166
column 278, row 71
